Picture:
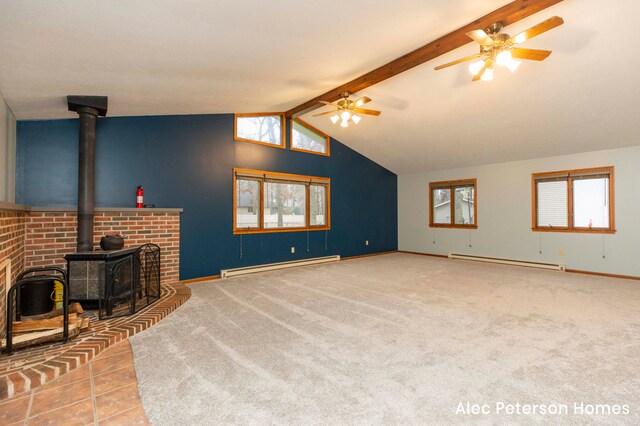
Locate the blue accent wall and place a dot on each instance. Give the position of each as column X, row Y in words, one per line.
column 187, row 161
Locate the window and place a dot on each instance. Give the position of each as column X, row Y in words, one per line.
column 306, row 138
column 279, row 202
column 247, row 203
column 453, row 204
column 263, row 129
column 573, row 201
column 318, row 205
column 284, row 205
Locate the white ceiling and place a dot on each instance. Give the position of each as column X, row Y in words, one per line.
column 155, row 57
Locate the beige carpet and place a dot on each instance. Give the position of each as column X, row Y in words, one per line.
column 395, row 339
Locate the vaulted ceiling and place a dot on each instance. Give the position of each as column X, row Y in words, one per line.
column 172, row 57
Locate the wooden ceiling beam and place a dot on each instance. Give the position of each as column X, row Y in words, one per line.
column 508, row 14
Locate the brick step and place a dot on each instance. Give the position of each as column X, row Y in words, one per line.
column 24, row 371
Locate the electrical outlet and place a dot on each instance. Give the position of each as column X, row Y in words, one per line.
column 293, row 249
column 366, row 243
column 561, row 253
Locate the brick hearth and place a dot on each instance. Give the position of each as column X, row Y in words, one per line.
column 34, row 237
column 30, row 368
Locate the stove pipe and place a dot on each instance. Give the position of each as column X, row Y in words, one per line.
column 88, row 109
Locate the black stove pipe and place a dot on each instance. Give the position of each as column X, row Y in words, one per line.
column 86, row 177
column 88, row 109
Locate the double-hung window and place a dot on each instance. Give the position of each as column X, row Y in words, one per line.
column 279, row 202
column 573, row 201
column 453, row 204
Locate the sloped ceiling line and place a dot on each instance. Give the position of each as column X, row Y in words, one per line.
column 508, row 14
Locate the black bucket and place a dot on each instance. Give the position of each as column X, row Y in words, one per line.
column 35, row 296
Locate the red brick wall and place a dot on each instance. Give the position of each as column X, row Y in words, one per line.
column 12, row 232
column 51, row 235
column 34, row 239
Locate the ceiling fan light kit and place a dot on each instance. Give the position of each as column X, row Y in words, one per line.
column 347, row 111
column 496, row 49
column 500, row 49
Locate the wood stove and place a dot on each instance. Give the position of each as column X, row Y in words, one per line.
column 116, row 282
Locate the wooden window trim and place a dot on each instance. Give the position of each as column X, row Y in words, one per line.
column 283, row 131
column 235, row 204
column 313, row 129
column 569, row 174
column 451, row 184
column 327, row 226
column 251, row 174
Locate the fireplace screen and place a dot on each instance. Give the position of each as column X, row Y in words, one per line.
column 130, row 283
column 148, row 257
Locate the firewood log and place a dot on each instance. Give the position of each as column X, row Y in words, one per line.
column 85, row 323
column 73, row 307
column 42, row 324
column 28, row 339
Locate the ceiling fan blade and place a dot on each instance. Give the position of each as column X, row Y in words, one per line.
column 324, row 113
column 480, row 37
column 363, row 100
column 448, row 64
column 366, row 111
column 536, row 30
column 478, row 76
column 531, row 54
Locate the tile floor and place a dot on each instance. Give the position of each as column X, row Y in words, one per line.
column 101, row 392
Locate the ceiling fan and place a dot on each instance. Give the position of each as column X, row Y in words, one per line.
column 348, row 110
column 500, row 49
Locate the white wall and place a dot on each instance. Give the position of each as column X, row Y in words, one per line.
column 504, row 215
column 7, row 153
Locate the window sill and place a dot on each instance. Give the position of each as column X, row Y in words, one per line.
column 444, row 225
column 576, row 230
column 272, row 145
column 272, row 231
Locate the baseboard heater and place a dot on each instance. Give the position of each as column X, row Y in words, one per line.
column 226, row 273
column 539, row 265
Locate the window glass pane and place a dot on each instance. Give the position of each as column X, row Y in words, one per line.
column 552, row 204
column 284, row 205
column 307, row 139
column 318, row 205
column 260, row 129
column 463, row 207
column 591, row 203
column 442, row 205
column 247, row 203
